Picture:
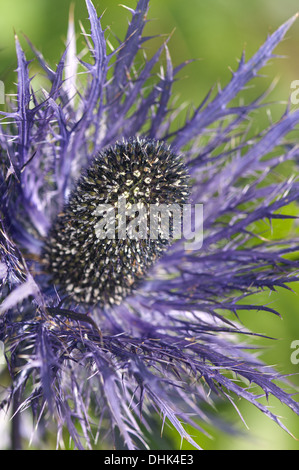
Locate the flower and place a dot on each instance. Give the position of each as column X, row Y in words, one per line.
column 87, row 259
column 168, row 344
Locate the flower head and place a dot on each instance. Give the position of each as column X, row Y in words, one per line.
column 101, row 332
column 92, row 264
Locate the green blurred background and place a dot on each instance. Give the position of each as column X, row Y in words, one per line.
column 214, row 31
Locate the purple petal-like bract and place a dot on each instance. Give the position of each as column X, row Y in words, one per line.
column 170, row 346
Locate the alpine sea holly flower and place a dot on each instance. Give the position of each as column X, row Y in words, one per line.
column 130, row 177
column 85, row 342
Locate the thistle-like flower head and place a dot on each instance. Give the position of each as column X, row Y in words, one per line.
column 103, row 269
column 99, row 332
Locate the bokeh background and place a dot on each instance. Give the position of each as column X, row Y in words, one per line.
column 215, row 32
